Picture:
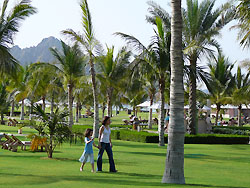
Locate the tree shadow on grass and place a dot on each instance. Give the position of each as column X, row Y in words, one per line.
column 195, row 155
column 131, row 144
column 118, row 179
column 144, row 153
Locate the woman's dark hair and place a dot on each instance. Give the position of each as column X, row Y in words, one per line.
column 105, row 119
column 87, row 132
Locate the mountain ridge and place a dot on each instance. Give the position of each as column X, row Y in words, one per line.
column 40, row 52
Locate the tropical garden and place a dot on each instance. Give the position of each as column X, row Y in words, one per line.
column 87, row 81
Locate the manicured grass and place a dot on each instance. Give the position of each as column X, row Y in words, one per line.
column 138, row 165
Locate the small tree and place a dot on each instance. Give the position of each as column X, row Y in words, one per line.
column 55, row 128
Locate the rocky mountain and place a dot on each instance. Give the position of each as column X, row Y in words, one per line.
column 37, row 53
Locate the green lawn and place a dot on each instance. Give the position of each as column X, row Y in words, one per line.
column 138, row 165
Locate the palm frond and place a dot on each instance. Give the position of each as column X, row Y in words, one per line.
column 131, row 40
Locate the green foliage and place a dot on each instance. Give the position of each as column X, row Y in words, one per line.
column 146, row 137
column 9, row 26
column 216, row 139
column 55, row 128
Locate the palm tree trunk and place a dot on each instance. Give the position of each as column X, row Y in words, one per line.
column 22, row 110
column 217, row 113
column 31, row 109
column 109, row 101
column 174, row 170
column 50, row 150
column 162, row 111
column 70, row 101
column 52, row 104
column 192, row 98
column 43, row 107
column 103, row 109
column 12, row 108
column 77, row 110
column 239, row 116
column 96, row 110
column 2, row 117
column 150, row 119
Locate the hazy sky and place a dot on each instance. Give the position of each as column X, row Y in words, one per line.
column 108, row 16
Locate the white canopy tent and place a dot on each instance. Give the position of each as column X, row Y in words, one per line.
column 41, row 102
column 203, row 108
column 158, row 105
column 26, row 102
column 144, row 104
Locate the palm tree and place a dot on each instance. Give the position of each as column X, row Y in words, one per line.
column 90, row 44
column 9, row 26
column 221, row 83
column 4, row 103
column 240, row 92
column 53, row 126
column 71, row 65
column 242, row 14
column 19, row 86
column 200, row 25
column 157, row 56
column 112, row 70
column 174, row 170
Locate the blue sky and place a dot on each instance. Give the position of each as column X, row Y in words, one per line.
column 108, row 16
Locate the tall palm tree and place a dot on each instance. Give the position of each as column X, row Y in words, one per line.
column 4, row 103
column 157, row 56
column 90, row 44
column 19, row 86
column 174, row 170
column 112, row 70
column 221, row 83
column 71, row 65
column 240, row 91
column 9, row 26
column 200, row 26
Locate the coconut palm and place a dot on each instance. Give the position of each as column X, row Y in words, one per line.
column 9, row 26
column 240, row 92
column 112, row 70
column 71, row 65
column 90, row 44
column 4, row 103
column 19, row 86
column 157, row 56
column 174, row 170
column 242, row 15
column 200, row 26
column 222, row 82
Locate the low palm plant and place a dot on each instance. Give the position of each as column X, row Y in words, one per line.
column 53, row 126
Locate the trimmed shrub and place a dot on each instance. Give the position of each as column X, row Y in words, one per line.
column 80, row 129
column 216, row 139
column 146, row 137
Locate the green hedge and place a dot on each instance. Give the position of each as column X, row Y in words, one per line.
column 129, row 135
column 233, row 128
column 189, row 139
column 216, row 139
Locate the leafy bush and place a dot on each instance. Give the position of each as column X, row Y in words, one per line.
column 231, row 131
column 189, row 139
column 145, row 137
column 216, row 139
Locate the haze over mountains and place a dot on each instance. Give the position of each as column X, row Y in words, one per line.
column 37, row 53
